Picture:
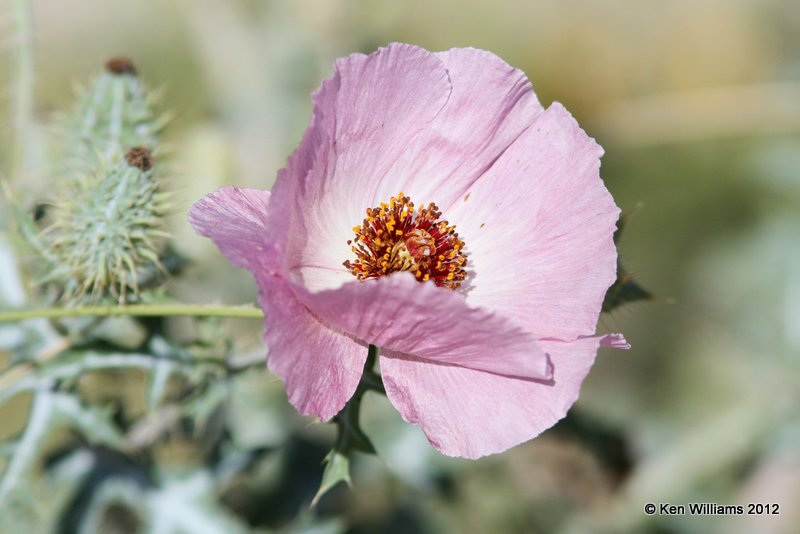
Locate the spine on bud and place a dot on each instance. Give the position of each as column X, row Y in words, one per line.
column 112, row 115
column 105, row 234
column 108, row 230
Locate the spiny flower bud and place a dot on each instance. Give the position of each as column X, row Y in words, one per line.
column 106, row 230
column 113, row 114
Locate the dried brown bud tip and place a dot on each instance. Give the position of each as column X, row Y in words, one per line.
column 120, row 65
column 139, row 157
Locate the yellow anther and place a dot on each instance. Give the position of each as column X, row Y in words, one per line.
column 395, row 237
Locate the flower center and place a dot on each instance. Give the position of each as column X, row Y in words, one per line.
column 395, row 237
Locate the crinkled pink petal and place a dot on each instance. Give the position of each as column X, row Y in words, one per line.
column 397, row 313
column 538, row 228
column 490, row 105
column 234, row 218
column 364, row 119
column 321, row 367
column 470, row 413
column 431, row 131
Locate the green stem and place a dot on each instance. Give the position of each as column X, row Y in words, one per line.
column 371, row 380
column 134, row 310
column 23, row 86
column 372, row 356
column 350, row 435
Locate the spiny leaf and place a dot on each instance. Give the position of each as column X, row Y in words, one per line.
column 195, row 496
column 161, row 371
column 337, row 469
column 30, row 444
column 69, row 366
column 206, row 403
column 21, row 512
column 625, row 289
column 350, row 437
column 95, row 424
column 48, row 409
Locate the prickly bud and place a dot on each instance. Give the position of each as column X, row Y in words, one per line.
column 112, row 115
column 106, row 230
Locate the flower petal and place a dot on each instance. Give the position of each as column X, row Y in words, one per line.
column 430, row 134
column 321, row 367
column 470, row 413
column 364, row 119
column 235, row 218
column 398, row 313
column 538, row 228
column 490, row 106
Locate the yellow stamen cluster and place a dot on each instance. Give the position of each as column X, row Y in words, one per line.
column 396, row 237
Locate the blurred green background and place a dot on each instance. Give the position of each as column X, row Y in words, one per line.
column 697, row 104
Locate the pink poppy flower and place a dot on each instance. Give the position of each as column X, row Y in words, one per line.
column 484, row 303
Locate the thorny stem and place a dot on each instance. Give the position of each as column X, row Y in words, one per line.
column 134, row 310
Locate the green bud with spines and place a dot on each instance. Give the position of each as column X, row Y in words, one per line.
column 105, row 235
column 112, row 115
column 107, row 230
